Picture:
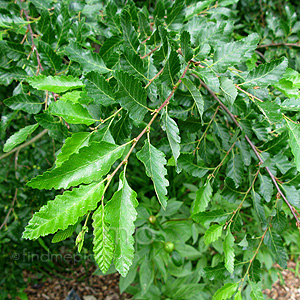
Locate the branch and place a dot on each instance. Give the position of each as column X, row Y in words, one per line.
column 278, row 44
column 25, row 144
column 255, row 151
column 12, row 207
column 142, row 57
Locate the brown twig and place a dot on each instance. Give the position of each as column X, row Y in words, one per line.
column 279, row 44
column 10, row 210
column 254, row 149
column 142, row 57
column 153, row 78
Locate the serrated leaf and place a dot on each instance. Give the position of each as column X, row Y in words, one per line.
column 121, row 214
column 89, row 164
column 213, row 233
column 62, row 235
column 195, row 94
column 62, row 25
column 63, row 211
column 213, row 273
column 131, row 95
column 279, row 221
column 29, row 104
column 266, row 74
column 292, row 194
column 7, row 76
column 185, row 40
column 172, row 67
column 72, row 145
column 129, row 33
column 282, row 162
column 73, row 113
column 10, row 21
column 226, row 291
column 19, row 137
column 209, row 78
column 109, row 47
column 176, row 16
column 113, row 19
column 203, row 197
column 228, row 88
column 172, row 130
column 55, row 84
column 14, row 51
column 207, row 217
column 154, row 161
column 259, row 208
column 294, row 141
column 238, row 296
column 186, row 163
column 255, row 270
column 145, row 30
column 49, row 56
column 99, row 89
column 228, row 245
column 103, row 240
column 271, row 111
column 256, row 291
column 291, row 104
column 90, row 61
column 229, row 54
column 266, row 187
column 245, row 153
column 235, row 169
column 275, row 244
column 122, row 129
column 260, row 131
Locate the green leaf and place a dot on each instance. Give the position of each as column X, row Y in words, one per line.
column 103, row 240
column 121, row 214
column 29, row 104
column 209, row 78
column 172, row 67
column 266, row 74
column 72, row 145
column 203, row 197
column 256, row 293
column 238, row 296
column 195, row 94
column 89, row 164
column 63, row 211
column 122, row 129
column 129, row 33
column 7, row 76
column 48, row 56
column 271, row 111
column 171, row 128
column 213, row 233
column 146, row 275
column 176, row 16
column 275, row 244
column 230, row 54
column 13, row 51
column 213, row 273
column 110, row 46
column 62, row 235
column 186, row 163
column 228, row 245
column 207, row 217
column 185, row 40
column 279, row 222
column 113, row 19
column 90, row 61
column 235, row 169
column 73, row 113
column 131, row 95
column 10, row 21
column 226, row 291
column 19, row 137
column 154, row 161
column 294, row 141
column 99, row 89
column 229, row 90
column 55, row 84
column 145, row 30
column 259, row 209
column 291, row 104
column 266, row 187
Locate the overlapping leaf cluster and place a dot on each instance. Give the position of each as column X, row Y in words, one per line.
column 211, row 114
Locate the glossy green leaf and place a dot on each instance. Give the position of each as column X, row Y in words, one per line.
column 226, row 291
column 131, row 95
column 154, row 161
column 186, row 163
column 146, row 275
column 113, row 19
column 203, row 197
column 176, row 16
column 291, row 105
column 63, row 211
column 294, row 141
column 172, row 67
column 62, row 235
column 19, row 137
column 228, row 246
column 266, row 187
column 89, row 164
column 29, row 104
column 207, row 217
column 213, row 233
column 121, row 214
column 186, row 49
column 7, row 76
column 271, row 111
column 235, row 169
column 129, row 33
column 49, row 56
column 256, row 291
column 55, row 84
column 228, row 89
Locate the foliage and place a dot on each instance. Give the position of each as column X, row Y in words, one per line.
column 186, row 111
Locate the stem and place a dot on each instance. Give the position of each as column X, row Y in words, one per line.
column 248, row 94
column 25, row 144
column 142, row 57
column 152, row 79
column 254, row 149
column 10, row 210
column 279, row 44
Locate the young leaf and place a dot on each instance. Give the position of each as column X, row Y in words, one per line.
column 103, row 240
column 213, row 233
column 171, row 128
column 226, row 291
column 99, row 89
column 73, row 113
column 203, row 196
column 266, row 74
column 63, row 211
column 121, row 214
column 131, row 95
column 238, row 296
column 29, row 104
column 154, row 161
column 89, row 164
column 195, row 94
column 89, row 61
column 228, row 245
column 56, row 84
column 294, row 141
column 62, row 235
column 256, row 293
column 19, row 137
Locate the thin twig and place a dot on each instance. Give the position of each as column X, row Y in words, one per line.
column 12, row 206
column 25, row 144
column 254, row 149
column 153, row 78
column 142, row 57
column 248, row 94
column 279, row 44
